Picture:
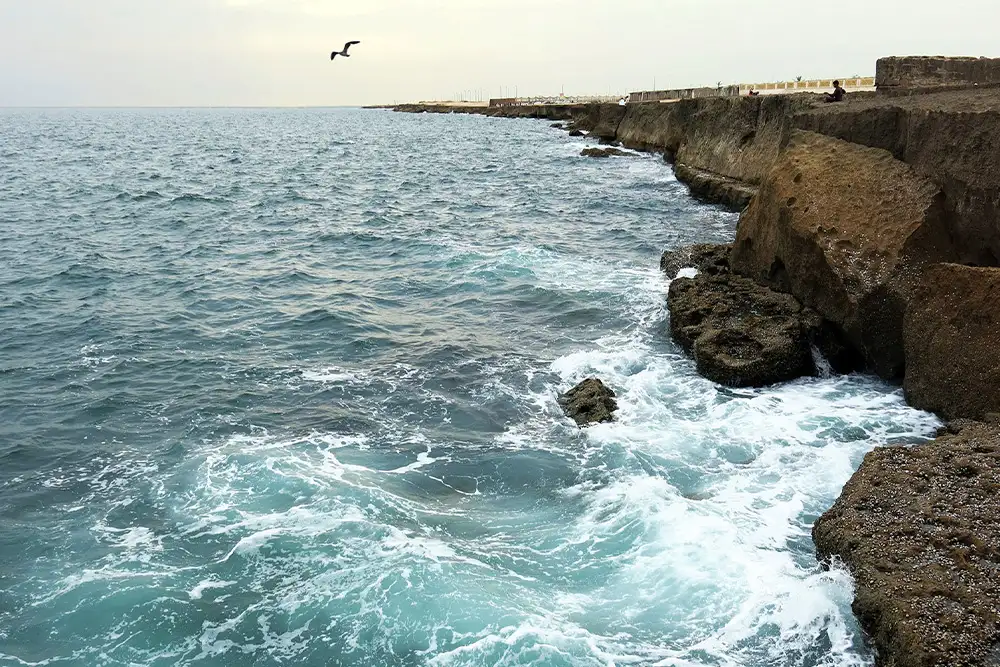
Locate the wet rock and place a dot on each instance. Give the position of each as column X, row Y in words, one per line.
column 705, row 257
column 589, row 402
column 715, row 188
column 558, row 126
column 601, row 121
column 741, row 334
column 919, row 528
column 576, row 133
column 952, row 338
column 847, row 230
column 602, row 152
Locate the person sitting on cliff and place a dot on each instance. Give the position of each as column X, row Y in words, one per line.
column 838, row 93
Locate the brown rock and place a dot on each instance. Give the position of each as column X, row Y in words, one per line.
column 845, row 229
column 706, row 257
column 948, row 138
column 599, row 120
column 741, row 334
column 919, row 529
column 952, row 336
column 715, row 188
column 589, row 402
column 602, row 152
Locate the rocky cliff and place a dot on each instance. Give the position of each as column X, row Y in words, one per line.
column 952, row 339
column 723, row 147
column 952, row 138
column 845, row 228
column 881, row 218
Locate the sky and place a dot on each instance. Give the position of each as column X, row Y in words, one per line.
column 276, row 52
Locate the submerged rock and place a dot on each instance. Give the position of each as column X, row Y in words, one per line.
column 741, row 334
column 705, row 257
column 576, row 133
column 589, row 402
column 558, row 126
column 919, row 528
column 602, row 152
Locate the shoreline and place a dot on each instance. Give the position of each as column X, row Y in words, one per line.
column 876, row 223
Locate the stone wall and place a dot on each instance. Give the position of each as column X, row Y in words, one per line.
column 903, row 75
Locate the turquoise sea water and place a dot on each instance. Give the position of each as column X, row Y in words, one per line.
column 277, row 387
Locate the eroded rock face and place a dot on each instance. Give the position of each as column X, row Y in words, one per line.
column 602, row 152
column 741, row 334
column 705, row 257
column 589, row 402
column 600, row 120
column 715, row 188
column 948, row 138
column 846, row 229
column 920, row 530
column 952, row 338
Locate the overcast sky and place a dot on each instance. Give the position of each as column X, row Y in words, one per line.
column 276, row 52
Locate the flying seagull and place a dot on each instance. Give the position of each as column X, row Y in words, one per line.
column 344, row 52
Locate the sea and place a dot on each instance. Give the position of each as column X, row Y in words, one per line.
column 279, row 387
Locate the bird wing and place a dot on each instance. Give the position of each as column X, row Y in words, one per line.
column 349, row 45
column 334, row 55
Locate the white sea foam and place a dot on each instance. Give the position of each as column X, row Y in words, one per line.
column 329, row 375
column 198, row 591
column 731, row 543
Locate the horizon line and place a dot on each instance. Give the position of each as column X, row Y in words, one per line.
column 186, row 106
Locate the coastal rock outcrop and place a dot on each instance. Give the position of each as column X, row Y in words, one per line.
column 589, row 402
column 846, row 229
column 715, row 188
column 952, row 338
column 950, row 139
column 602, row 152
column 919, row 528
column 741, row 334
column 601, row 121
column 738, row 137
column 710, row 258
